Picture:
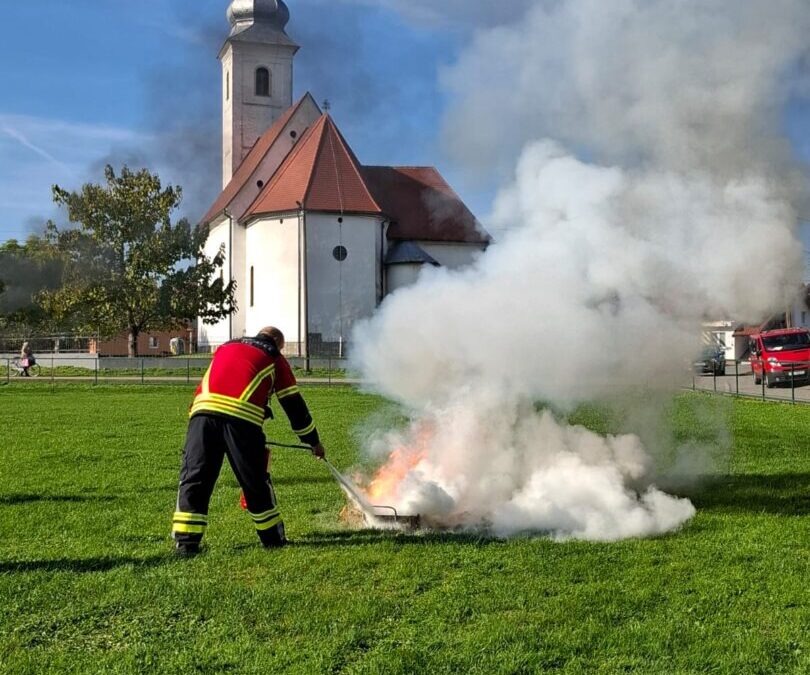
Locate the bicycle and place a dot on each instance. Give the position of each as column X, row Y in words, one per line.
column 34, row 369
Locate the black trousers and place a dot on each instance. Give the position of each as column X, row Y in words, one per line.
column 210, row 439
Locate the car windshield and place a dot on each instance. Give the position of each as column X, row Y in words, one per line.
column 784, row 343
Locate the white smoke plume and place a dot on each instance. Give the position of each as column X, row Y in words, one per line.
column 653, row 190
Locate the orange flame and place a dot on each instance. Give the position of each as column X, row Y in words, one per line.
column 393, row 472
column 400, row 463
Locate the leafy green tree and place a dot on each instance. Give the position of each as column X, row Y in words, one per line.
column 128, row 268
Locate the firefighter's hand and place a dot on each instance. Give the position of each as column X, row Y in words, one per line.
column 318, row 451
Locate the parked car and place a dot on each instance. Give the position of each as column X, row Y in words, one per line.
column 780, row 355
column 711, row 360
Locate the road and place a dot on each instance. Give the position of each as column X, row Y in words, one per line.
column 744, row 385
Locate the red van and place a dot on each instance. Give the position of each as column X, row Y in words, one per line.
column 780, row 355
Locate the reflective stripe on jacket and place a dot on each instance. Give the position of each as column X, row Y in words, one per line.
column 238, row 381
column 242, row 376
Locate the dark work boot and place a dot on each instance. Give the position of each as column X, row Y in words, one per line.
column 186, row 549
column 274, row 537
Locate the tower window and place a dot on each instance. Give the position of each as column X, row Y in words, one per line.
column 262, row 82
column 251, row 285
column 228, row 86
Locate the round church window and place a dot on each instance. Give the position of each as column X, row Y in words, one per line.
column 340, row 253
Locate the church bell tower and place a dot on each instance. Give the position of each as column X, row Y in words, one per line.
column 257, row 76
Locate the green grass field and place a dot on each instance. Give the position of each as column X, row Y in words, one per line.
column 88, row 583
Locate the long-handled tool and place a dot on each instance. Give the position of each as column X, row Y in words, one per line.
column 356, row 497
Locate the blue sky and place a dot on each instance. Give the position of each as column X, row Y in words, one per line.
column 97, row 81
column 138, row 82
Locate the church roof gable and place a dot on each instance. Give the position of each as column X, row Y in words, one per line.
column 253, row 159
column 320, row 174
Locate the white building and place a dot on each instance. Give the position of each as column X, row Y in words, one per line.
column 313, row 239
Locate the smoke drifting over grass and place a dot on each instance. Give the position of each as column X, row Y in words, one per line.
column 653, row 190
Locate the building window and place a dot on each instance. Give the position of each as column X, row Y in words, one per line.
column 340, row 253
column 153, row 342
column 251, row 286
column 262, row 82
column 228, row 86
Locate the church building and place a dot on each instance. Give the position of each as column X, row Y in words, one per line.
column 314, row 239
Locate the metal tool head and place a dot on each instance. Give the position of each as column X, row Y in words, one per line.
column 406, row 522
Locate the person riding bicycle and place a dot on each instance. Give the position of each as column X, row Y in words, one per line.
column 26, row 358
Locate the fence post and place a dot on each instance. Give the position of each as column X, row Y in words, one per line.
column 96, row 371
column 714, row 378
column 737, row 376
column 142, row 373
column 329, row 371
column 764, row 378
column 793, row 383
column 188, row 371
column 8, row 371
column 694, row 384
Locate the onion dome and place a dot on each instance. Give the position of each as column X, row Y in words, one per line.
column 245, row 13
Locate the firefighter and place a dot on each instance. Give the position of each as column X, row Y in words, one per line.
column 226, row 419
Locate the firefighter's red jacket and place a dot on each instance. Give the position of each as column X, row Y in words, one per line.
column 242, row 377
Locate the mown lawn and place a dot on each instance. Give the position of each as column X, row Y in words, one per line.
column 88, row 583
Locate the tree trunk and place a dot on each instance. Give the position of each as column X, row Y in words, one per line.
column 132, row 345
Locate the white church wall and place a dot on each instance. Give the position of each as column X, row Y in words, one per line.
column 259, row 112
column 245, row 115
column 340, row 293
column 452, row 255
column 272, row 251
column 228, row 165
column 402, row 275
column 238, row 274
column 209, row 336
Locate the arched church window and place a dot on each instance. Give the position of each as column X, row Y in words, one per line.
column 251, row 286
column 262, row 82
column 227, row 86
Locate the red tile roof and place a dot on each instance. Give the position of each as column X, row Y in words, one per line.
column 320, row 174
column 251, row 162
column 422, row 206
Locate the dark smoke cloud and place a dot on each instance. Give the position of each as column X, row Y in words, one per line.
column 183, row 114
column 459, row 13
column 339, row 60
column 358, row 70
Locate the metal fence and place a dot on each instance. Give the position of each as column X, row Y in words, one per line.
column 56, row 344
column 787, row 381
column 92, row 369
column 738, row 378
